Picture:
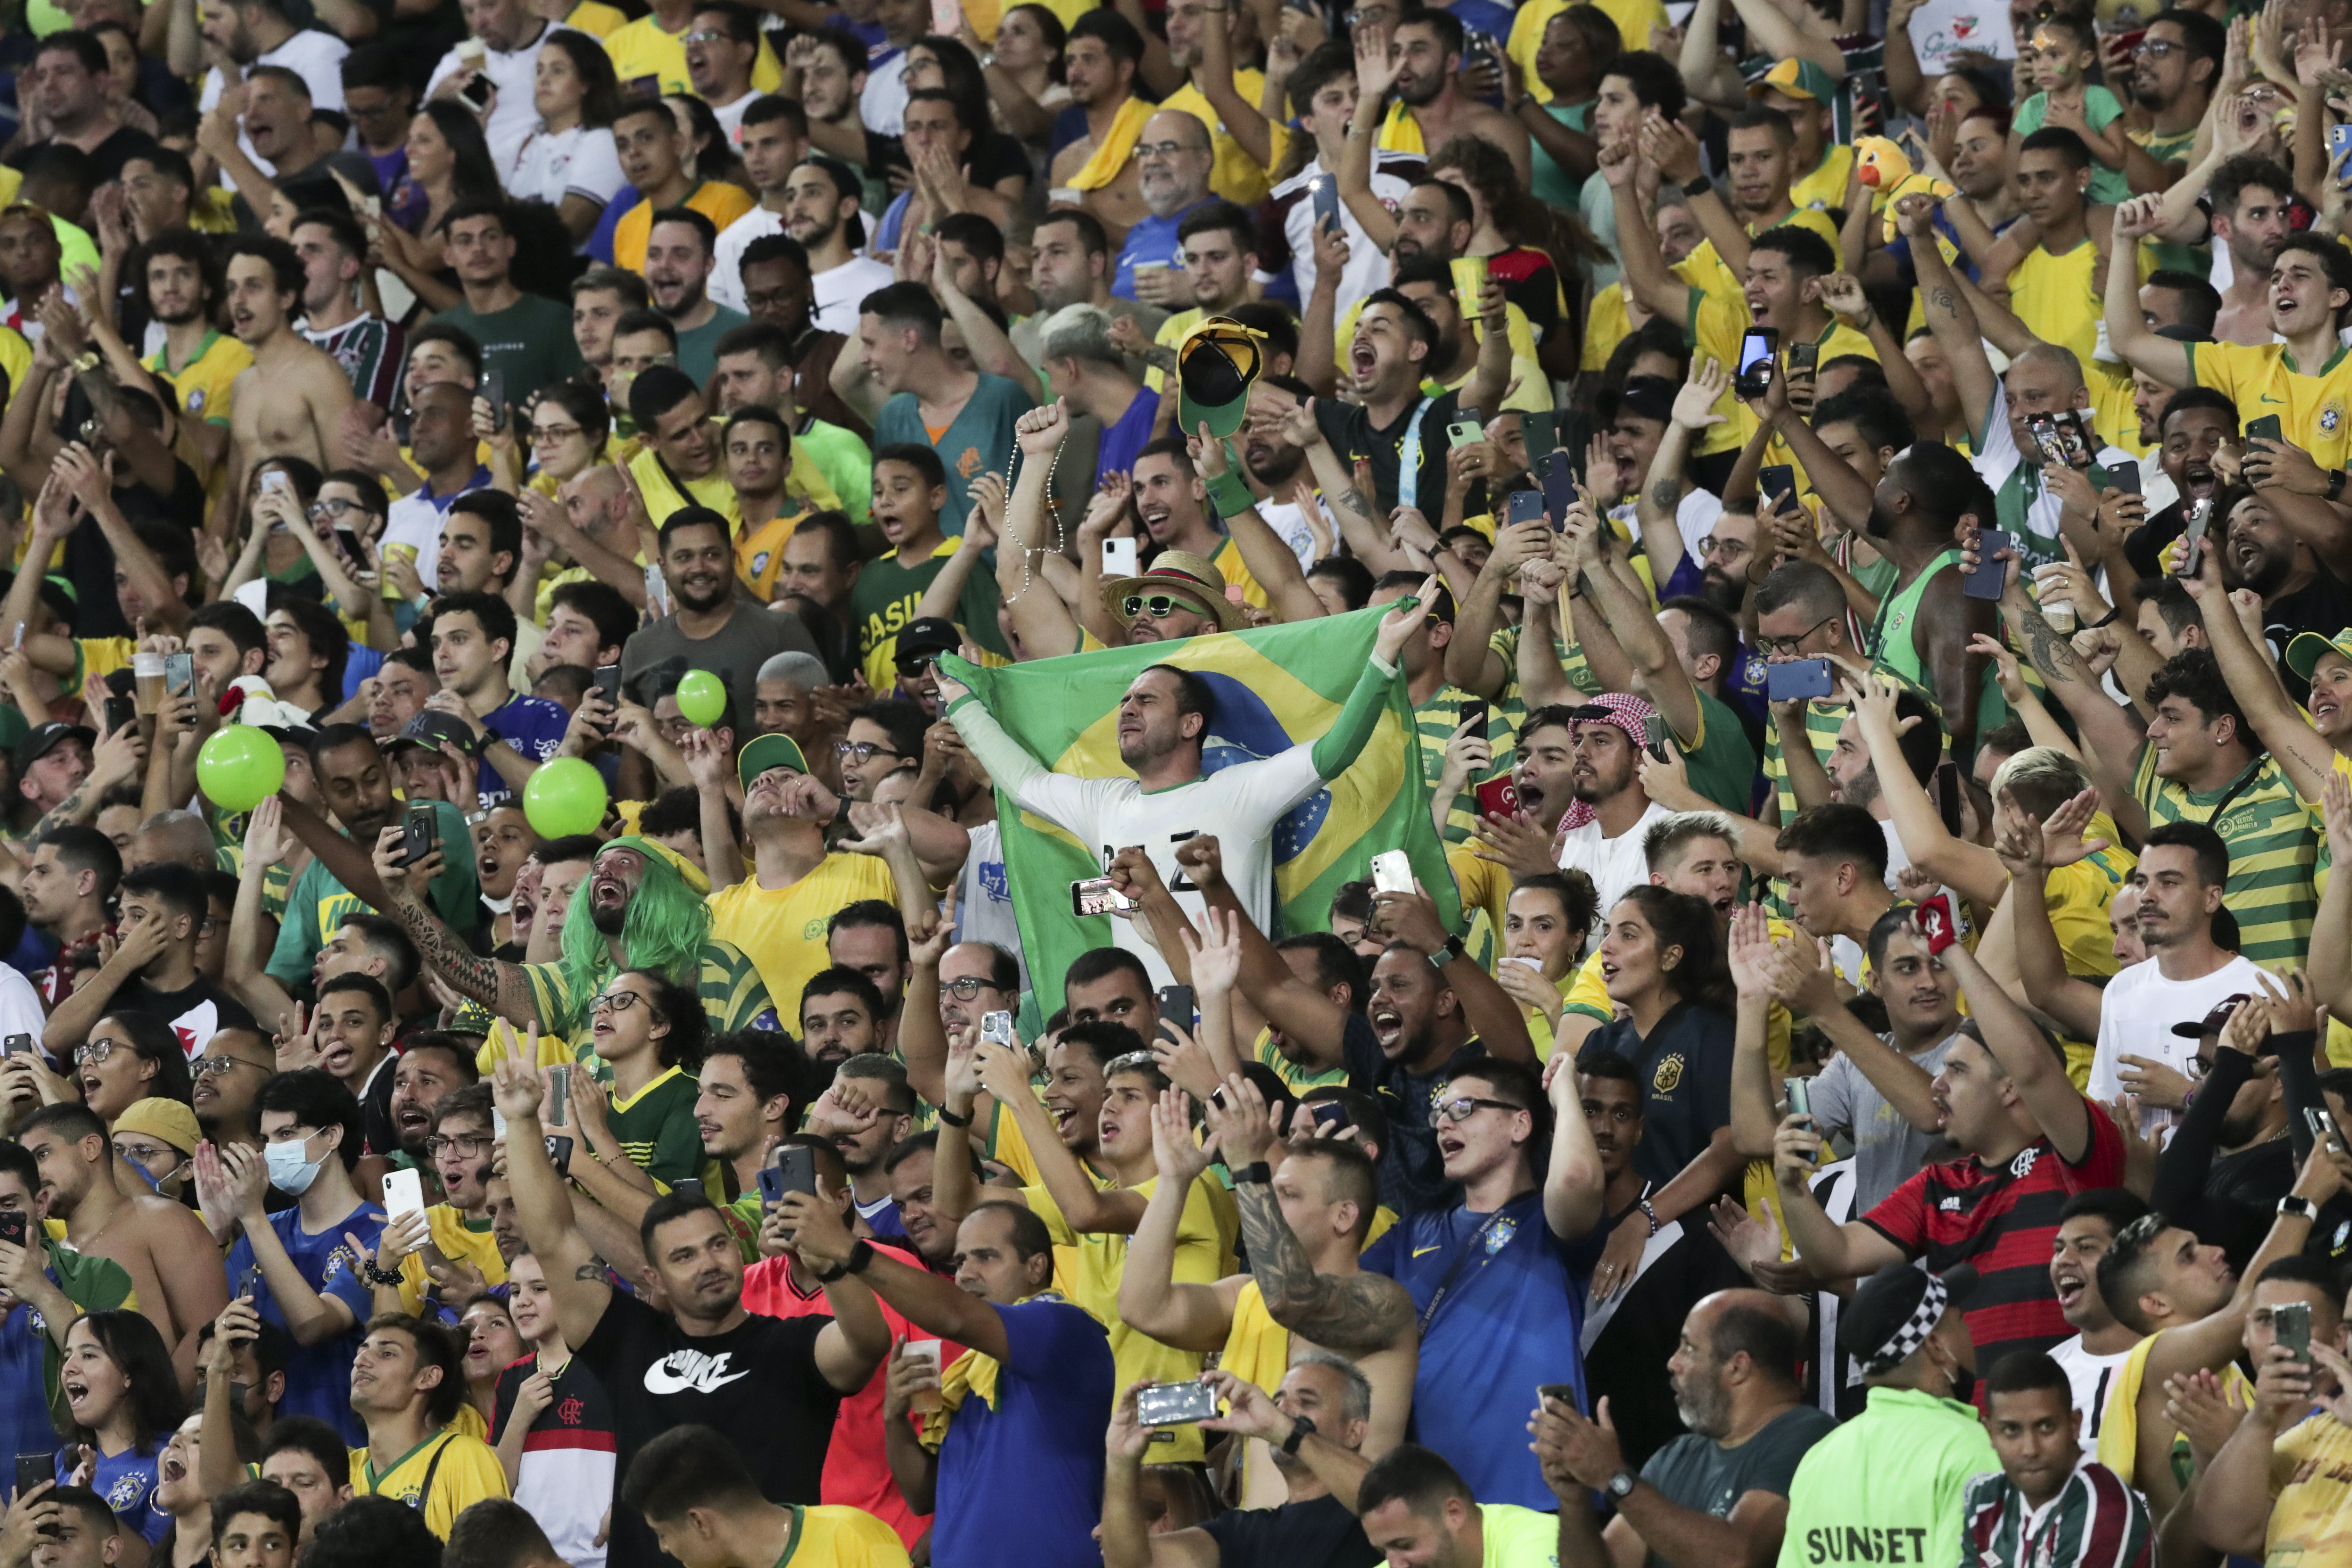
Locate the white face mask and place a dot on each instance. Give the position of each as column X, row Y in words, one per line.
column 288, row 1172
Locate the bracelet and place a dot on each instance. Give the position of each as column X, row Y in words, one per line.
column 1699, row 187
column 388, row 1277
column 2107, row 619
column 1258, row 1172
column 2334, row 483
column 951, row 1119
column 2295, row 1207
column 1653, row 1215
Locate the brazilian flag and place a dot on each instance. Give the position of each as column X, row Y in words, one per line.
column 1275, row 686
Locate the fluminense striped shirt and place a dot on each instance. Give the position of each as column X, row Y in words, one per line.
column 2094, row 1522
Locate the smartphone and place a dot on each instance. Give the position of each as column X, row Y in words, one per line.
column 1799, row 678
column 2265, row 428
column 2291, row 1322
column 1326, row 201
column 2322, row 1127
column 17, row 1045
column 1498, row 798
column 2075, row 435
column 2201, row 514
column 418, row 827
column 996, row 1028
column 1557, row 474
column 15, row 1225
column 1174, row 1404
column 606, row 687
column 1985, row 582
column 2044, row 428
column 1329, row 1113
column 796, row 1169
column 33, row 1471
column 1803, row 357
column 1096, row 895
column 1392, row 872
column 1118, row 558
column 1948, row 795
column 475, row 94
column 559, row 1152
column 494, row 393
column 1563, row 1392
column 179, row 672
column 1177, row 1007
column 1540, row 433
column 1777, row 482
column 1754, row 373
column 559, row 1095
column 1465, row 433
column 771, row 1188
column 2125, row 477
column 275, row 480
column 2339, row 140
column 688, row 1187
column 1653, row 736
column 404, row 1192
column 1800, row 1097
column 121, row 713
column 1525, row 506
column 1473, row 713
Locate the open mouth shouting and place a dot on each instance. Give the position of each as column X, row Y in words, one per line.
column 1387, row 1029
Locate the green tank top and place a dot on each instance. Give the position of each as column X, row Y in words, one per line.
column 1890, row 636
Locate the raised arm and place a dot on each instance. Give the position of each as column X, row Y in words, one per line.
column 1951, row 319
column 2018, row 1047
column 265, row 845
column 1969, row 869
column 1189, row 1316
column 1040, row 618
column 2160, row 358
column 1500, row 1023
column 1646, row 277
column 496, row 984
column 1004, row 1073
column 2111, row 740
column 575, row 1276
column 1470, row 663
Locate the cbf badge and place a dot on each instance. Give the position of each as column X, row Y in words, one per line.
column 1500, row 1236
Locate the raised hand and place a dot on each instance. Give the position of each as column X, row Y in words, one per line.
column 1695, row 403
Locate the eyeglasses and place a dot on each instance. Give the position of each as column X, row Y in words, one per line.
column 965, row 989
column 1163, row 148
column 467, row 1143
column 2157, row 48
column 552, row 433
column 614, row 1002
column 1788, row 645
column 96, row 1050
column 335, row 506
column 147, row 1156
column 861, row 750
column 2199, row 1066
column 213, row 1067
column 709, row 37
column 1468, row 1106
column 1160, row 605
column 1715, row 544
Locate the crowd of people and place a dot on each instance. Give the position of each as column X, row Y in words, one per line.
column 793, row 785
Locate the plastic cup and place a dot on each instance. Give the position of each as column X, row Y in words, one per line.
column 147, row 674
column 926, row 1400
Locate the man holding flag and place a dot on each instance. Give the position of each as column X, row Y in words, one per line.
column 1163, row 722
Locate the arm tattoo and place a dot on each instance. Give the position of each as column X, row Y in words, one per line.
column 1662, row 494
column 1353, row 500
column 1159, row 358
column 1355, row 1314
column 591, row 1272
column 2051, row 654
column 1941, row 300
column 65, row 814
column 468, row 972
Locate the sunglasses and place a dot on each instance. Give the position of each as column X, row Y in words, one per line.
column 1160, row 607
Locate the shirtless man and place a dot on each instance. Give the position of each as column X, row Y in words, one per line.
column 152, row 1237
column 292, row 401
column 1099, row 63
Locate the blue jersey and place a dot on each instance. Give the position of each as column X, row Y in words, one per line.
column 1022, row 1469
column 1509, row 1318
column 127, row 1482
column 318, row 1378
column 534, row 727
column 28, row 1357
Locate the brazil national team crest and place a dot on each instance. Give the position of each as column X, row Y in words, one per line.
column 1499, row 1236
column 2330, row 419
column 1669, row 1073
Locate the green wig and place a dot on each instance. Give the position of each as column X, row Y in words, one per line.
column 666, row 927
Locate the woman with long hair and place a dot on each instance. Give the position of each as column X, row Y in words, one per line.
column 492, row 1344
column 551, row 1482
column 1579, row 43
column 1663, row 960
column 129, row 1056
column 994, row 159
column 124, row 1396
column 449, row 161
column 712, row 156
column 1503, row 218
column 568, row 161
column 1023, row 71
column 650, row 1032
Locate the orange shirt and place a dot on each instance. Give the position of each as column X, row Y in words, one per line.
column 721, row 202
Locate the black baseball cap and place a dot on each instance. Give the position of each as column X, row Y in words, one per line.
column 42, row 739
column 923, row 638
column 428, row 730
column 2215, row 1021
column 1894, row 1309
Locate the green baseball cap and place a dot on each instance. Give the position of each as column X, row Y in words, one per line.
column 766, row 752
column 2305, row 649
column 1215, row 363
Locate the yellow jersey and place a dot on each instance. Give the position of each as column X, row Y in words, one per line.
column 1718, row 323
column 719, row 202
column 202, row 385
column 1826, row 185
column 1634, row 18
column 595, row 16
column 1234, row 175
column 15, row 355
column 834, row 1535
column 1705, row 266
column 759, row 552
column 2265, row 379
column 2057, row 297
column 664, row 494
column 1228, row 559
column 459, row 1470
column 1204, row 1255
column 2119, row 1428
column 1607, row 325
column 783, row 930
column 2311, row 1476
column 457, row 1240
column 640, row 48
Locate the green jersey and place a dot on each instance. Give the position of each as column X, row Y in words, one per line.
column 2273, row 851
column 655, row 1126
column 1886, row 1487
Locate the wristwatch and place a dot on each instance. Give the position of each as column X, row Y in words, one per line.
column 2293, row 1207
column 1620, row 1485
column 1260, row 1171
column 861, row 1253
column 1699, row 187
column 1453, row 950
column 1299, row 1427
column 2334, row 483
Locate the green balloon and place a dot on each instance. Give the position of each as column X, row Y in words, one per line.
column 701, row 698
column 563, row 797
column 239, row 768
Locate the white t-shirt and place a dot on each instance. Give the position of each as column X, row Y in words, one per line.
column 552, row 165
column 727, row 255
column 731, row 117
column 1367, row 265
column 514, row 115
column 1290, row 525
column 20, row 1005
column 1694, row 517
column 2090, row 1377
column 316, row 57
column 882, row 106
column 984, row 897
column 840, row 289
column 2136, row 1018
column 1615, row 864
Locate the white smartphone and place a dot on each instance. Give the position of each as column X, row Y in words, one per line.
column 1118, row 558
column 1392, row 872
column 404, row 1192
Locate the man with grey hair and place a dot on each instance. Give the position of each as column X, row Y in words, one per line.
column 176, row 837
column 1174, row 159
column 1083, row 370
column 1322, row 1394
